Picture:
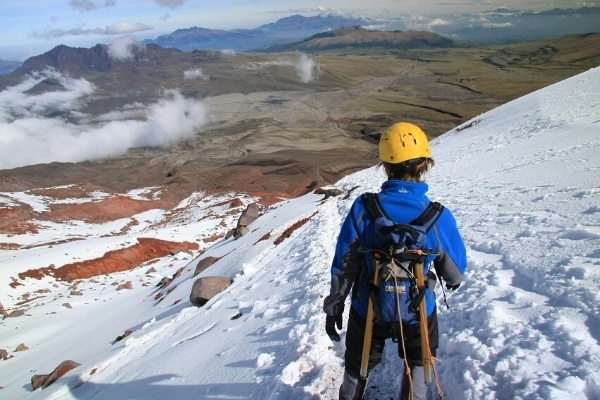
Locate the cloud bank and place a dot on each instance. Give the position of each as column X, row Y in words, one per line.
column 17, row 103
column 30, row 133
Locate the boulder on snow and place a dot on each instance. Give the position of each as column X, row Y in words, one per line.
column 205, row 263
column 329, row 192
column 249, row 215
column 208, row 287
column 44, row 381
column 241, row 231
column 4, row 354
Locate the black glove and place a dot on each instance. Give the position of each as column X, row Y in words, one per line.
column 330, row 324
column 452, row 287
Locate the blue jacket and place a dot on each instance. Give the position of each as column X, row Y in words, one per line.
column 403, row 201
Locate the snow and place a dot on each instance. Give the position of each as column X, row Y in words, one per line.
column 523, row 182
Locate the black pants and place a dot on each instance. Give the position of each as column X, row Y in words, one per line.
column 412, row 341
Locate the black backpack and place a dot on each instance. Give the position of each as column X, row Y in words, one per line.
column 397, row 250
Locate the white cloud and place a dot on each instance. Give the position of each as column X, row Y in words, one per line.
column 170, row 3
column 16, row 103
column 195, row 73
column 303, row 10
column 126, row 27
column 29, row 136
column 123, row 48
column 88, row 5
column 49, row 33
column 305, row 68
column 438, row 22
column 116, row 29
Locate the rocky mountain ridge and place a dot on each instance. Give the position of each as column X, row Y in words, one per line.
column 357, row 38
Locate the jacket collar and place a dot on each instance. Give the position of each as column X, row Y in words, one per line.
column 410, row 189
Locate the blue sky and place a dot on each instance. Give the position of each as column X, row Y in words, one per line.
column 31, row 27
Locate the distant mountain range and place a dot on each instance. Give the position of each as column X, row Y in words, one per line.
column 82, row 61
column 495, row 26
column 511, row 26
column 321, row 33
column 8, row 66
column 285, row 30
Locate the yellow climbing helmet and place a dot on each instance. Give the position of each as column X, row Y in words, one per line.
column 401, row 142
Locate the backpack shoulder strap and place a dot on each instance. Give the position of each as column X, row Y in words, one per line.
column 430, row 216
column 374, row 206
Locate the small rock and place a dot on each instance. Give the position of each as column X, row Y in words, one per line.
column 14, row 314
column 235, row 203
column 151, row 271
column 126, row 285
column 241, row 231
column 123, row 336
column 76, row 293
column 236, row 316
column 44, row 381
column 38, row 380
column 164, row 282
column 67, row 305
column 21, row 347
column 3, row 354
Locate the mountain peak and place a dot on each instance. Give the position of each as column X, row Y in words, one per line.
column 70, row 59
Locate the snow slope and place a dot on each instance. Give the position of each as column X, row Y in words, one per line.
column 524, row 183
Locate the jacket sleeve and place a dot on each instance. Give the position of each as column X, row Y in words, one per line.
column 451, row 262
column 347, row 263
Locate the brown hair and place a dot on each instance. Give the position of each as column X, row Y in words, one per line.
column 410, row 170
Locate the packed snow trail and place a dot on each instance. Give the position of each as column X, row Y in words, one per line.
column 524, row 187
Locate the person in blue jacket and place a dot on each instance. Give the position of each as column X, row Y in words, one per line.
column 405, row 155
